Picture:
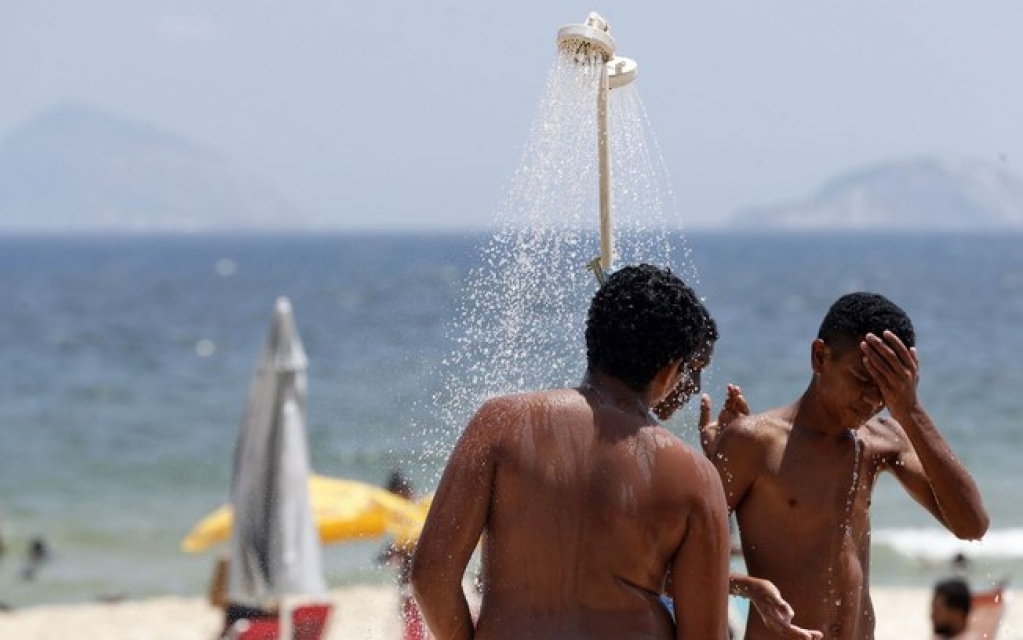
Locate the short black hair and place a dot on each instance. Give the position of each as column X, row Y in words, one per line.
column 854, row 315
column 956, row 594
column 642, row 318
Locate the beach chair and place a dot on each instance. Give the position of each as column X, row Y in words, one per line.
column 986, row 611
column 309, row 621
column 255, row 629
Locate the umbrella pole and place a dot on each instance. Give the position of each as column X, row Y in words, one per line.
column 286, row 606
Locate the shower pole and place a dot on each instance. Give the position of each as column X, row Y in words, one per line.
column 588, row 43
column 604, row 166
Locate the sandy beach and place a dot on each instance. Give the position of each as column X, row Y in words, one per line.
column 370, row 613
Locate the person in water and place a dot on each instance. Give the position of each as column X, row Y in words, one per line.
column 587, row 507
column 800, row 477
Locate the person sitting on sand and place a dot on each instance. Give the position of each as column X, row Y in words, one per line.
column 590, row 508
column 233, row 611
column 950, row 609
column 800, row 477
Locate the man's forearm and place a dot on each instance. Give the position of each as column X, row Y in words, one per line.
column 447, row 615
column 955, row 491
column 741, row 585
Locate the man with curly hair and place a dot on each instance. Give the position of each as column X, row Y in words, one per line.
column 590, row 508
column 800, row 477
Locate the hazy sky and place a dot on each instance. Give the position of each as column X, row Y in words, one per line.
column 413, row 114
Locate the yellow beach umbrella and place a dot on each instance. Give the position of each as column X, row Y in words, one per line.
column 342, row 509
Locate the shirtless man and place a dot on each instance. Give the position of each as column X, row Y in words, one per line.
column 800, row 477
column 586, row 502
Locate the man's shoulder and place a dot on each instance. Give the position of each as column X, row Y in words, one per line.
column 510, row 410
column 764, row 426
column 685, row 467
column 664, row 440
column 528, row 399
column 883, row 434
column 882, row 425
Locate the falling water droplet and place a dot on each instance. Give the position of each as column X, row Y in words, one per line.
column 205, row 348
column 226, row 267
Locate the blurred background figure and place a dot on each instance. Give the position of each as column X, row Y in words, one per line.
column 950, row 610
column 217, row 594
column 399, row 556
column 38, row 554
column 961, row 565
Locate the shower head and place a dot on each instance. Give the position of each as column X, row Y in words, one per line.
column 621, row 71
column 588, row 41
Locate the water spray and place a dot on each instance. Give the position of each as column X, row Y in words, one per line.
column 591, row 43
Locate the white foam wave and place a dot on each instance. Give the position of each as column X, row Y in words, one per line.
column 938, row 544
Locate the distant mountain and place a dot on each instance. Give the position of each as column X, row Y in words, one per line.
column 938, row 194
column 77, row 169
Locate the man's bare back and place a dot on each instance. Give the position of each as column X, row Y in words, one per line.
column 591, row 502
column 585, row 506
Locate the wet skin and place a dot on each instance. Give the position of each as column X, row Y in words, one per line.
column 584, row 504
column 800, row 478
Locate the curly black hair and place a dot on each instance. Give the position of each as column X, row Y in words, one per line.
column 641, row 319
column 854, row 315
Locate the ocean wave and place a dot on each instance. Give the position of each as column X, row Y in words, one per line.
column 938, row 544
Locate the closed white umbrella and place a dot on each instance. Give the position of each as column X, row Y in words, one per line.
column 275, row 548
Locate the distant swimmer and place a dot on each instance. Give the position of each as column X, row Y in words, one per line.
column 587, row 507
column 38, row 554
column 800, row 477
column 960, row 564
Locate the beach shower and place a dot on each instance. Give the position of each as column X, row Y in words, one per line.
column 520, row 322
column 591, row 46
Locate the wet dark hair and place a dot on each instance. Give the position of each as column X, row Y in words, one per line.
column 956, row 594
column 641, row 319
column 854, row 315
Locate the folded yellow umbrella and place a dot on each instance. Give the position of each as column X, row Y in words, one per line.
column 342, row 509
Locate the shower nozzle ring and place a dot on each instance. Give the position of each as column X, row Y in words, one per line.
column 621, row 71
column 585, row 40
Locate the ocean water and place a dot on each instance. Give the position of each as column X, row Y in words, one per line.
column 127, row 362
